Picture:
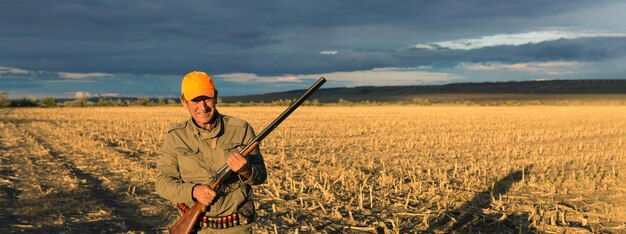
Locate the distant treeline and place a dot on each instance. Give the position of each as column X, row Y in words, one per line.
column 83, row 102
column 141, row 101
column 160, row 101
column 430, row 102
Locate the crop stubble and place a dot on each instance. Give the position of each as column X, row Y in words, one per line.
column 401, row 168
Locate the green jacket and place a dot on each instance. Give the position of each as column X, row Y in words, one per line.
column 192, row 155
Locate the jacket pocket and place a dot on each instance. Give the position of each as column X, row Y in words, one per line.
column 186, row 151
column 190, row 164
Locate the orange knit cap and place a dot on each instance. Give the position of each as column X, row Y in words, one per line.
column 197, row 84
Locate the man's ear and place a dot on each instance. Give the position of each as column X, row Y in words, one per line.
column 183, row 101
column 215, row 98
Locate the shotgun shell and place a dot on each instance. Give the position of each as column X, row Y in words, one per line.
column 230, row 221
column 236, row 219
column 220, row 225
column 183, row 207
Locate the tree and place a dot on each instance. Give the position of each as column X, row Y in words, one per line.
column 103, row 102
column 48, row 102
column 26, row 102
column 120, row 102
column 4, row 100
column 344, row 102
column 143, row 101
column 79, row 102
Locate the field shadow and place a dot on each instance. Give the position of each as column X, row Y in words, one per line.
column 471, row 218
column 121, row 213
column 78, row 212
column 8, row 193
column 128, row 212
column 29, row 120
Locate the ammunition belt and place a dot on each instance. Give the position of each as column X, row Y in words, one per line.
column 225, row 221
column 222, row 222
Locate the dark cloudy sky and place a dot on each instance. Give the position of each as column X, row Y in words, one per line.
column 144, row 47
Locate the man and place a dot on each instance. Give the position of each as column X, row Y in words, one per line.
column 195, row 149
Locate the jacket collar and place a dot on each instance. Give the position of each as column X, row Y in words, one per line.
column 215, row 131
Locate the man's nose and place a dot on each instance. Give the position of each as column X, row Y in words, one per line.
column 205, row 105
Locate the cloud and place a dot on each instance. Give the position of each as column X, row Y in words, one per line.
column 73, row 75
column 81, row 94
column 555, row 68
column 110, row 95
column 429, row 46
column 282, row 79
column 376, row 76
column 391, row 76
column 549, row 68
column 249, row 77
column 272, row 43
column 511, row 39
column 238, row 77
column 12, row 70
column 147, row 37
column 17, row 73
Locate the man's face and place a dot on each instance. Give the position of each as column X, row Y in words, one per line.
column 201, row 108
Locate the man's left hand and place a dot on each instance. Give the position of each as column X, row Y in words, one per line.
column 239, row 164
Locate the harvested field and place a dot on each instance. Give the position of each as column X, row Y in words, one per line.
column 331, row 169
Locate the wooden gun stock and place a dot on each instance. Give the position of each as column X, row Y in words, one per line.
column 189, row 220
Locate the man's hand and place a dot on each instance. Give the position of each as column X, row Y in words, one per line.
column 239, row 164
column 203, row 194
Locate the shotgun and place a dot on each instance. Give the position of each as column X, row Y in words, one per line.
column 189, row 219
